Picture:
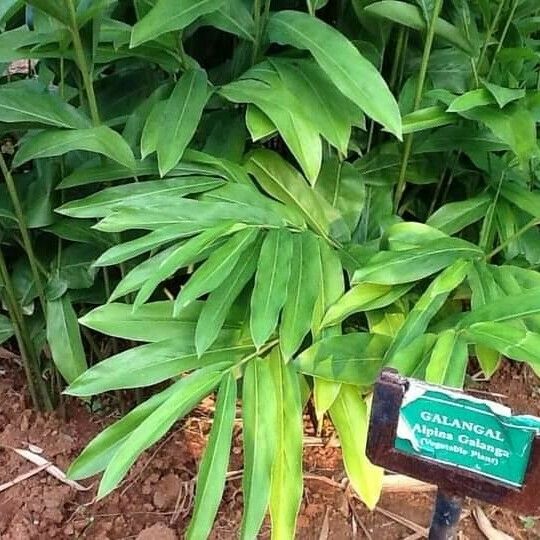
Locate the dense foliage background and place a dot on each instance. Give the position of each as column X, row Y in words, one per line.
column 270, row 200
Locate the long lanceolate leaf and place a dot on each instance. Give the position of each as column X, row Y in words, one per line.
column 181, row 116
column 427, row 306
column 350, row 416
column 395, row 267
column 96, row 456
column 101, row 140
column 220, row 301
column 64, row 338
column 302, row 294
column 286, row 487
column 27, row 104
column 137, row 194
column 349, row 70
column 153, row 363
column 517, row 343
column 187, row 393
column 216, row 269
column 168, row 15
column 176, row 259
column 270, row 288
column 213, row 467
column 260, row 442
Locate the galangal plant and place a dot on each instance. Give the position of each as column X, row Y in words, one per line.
column 285, row 197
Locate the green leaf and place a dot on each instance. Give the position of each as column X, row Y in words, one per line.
column 96, row 456
column 28, row 104
column 270, row 288
column 216, row 269
column 216, row 308
column 152, row 129
column 428, row 305
column 455, row 216
column 395, row 267
column 6, row 329
column 169, row 15
column 64, row 339
column 317, row 98
column 282, row 181
column 287, row 476
column 213, row 467
column 405, row 235
column 260, row 442
column 51, row 142
column 411, row 16
column 355, row 77
column 281, row 107
column 351, row 359
column 153, row 193
column 234, row 17
column 258, row 124
column 177, row 257
column 138, row 276
column 428, row 118
column 150, row 323
column 91, row 173
column 514, row 342
column 514, row 125
column 349, row 415
column 471, row 100
column 181, row 117
column 448, row 361
column 151, row 364
column 363, row 297
column 484, row 289
column 128, row 250
column 187, row 394
column 504, row 96
column 53, row 8
column 332, row 285
column 302, row 293
column 410, row 358
column 523, row 198
column 517, row 306
column 342, row 185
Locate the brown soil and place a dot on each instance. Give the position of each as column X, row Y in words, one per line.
column 155, row 500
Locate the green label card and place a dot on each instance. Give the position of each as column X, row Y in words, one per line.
column 456, row 429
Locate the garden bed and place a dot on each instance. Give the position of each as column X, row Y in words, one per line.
column 154, row 501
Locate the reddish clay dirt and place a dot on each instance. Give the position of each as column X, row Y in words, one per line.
column 155, row 500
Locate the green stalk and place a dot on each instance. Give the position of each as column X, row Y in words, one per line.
column 398, row 52
column 503, row 37
column 25, row 235
column 491, row 30
column 533, row 223
column 80, row 58
column 417, row 101
column 260, row 24
column 36, row 385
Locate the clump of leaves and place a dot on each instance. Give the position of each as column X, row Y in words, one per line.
column 275, row 199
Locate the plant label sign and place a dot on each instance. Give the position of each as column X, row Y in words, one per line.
column 454, row 428
column 465, row 445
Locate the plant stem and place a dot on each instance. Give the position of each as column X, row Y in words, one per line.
column 262, row 350
column 80, row 57
column 491, row 30
column 25, row 235
column 260, row 24
column 36, row 386
column 503, row 37
column 400, row 42
column 417, row 101
column 533, row 223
